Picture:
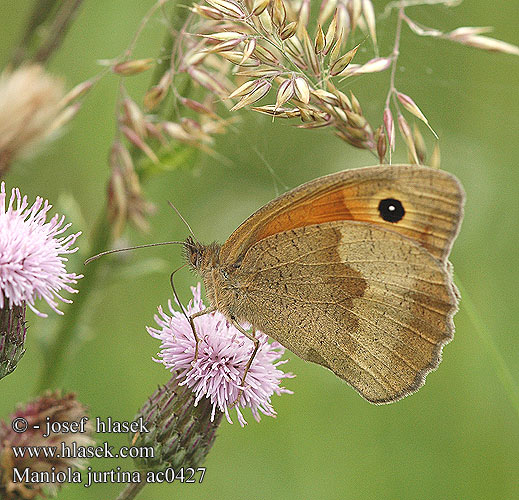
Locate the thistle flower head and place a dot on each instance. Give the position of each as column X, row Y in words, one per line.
column 222, row 356
column 55, row 408
column 32, row 249
column 30, row 101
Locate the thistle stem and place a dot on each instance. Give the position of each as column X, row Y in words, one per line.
column 131, row 491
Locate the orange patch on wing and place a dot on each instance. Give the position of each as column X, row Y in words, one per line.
column 329, row 207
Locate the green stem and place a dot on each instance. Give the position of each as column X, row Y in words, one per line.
column 60, row 344
column 177, row 20
column 131, row 491
column 502, row 371
column 57, row 15
column 165, row 62
column 57, row 30
column 41, row 11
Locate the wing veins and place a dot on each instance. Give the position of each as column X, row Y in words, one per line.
column 339, row 304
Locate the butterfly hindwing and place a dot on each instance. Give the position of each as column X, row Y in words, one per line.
column 370, row 304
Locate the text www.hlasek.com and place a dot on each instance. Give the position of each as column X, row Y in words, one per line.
column 74, row 451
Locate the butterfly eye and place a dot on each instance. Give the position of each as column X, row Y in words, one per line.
column 194, row 257
column 391, row 210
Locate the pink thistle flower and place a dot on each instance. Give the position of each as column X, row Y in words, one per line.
column 222, row 356
column 31, row 253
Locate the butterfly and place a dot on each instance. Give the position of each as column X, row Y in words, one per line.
column 348, row 271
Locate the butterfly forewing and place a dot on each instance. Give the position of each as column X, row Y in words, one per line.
column 420, row 203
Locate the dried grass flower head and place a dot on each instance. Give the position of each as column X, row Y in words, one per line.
column 222, row 357
column 265, row 45
column 32, row 253
column 51, row 407
column 30, row 102
column 262, row 47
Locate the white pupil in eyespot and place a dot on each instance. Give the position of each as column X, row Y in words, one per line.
column 391, row 208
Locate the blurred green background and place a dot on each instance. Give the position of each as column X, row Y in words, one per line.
column 458, row 437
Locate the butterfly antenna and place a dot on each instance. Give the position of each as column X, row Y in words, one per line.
column 116, row 250
column 183, row 220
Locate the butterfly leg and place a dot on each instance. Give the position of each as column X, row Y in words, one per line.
column 251, row 359
column 207, row 310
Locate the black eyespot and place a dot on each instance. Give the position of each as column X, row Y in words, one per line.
column 391, row 210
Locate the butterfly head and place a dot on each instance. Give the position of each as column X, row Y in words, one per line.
column 201, row 258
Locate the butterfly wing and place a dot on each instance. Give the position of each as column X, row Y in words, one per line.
column 371, row 305
column 432, row 202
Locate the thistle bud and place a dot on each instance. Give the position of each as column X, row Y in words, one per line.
column 12, row 338
column 50, row 409
column 180, row 431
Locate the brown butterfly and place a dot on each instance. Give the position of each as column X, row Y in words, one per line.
column 348, row 271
